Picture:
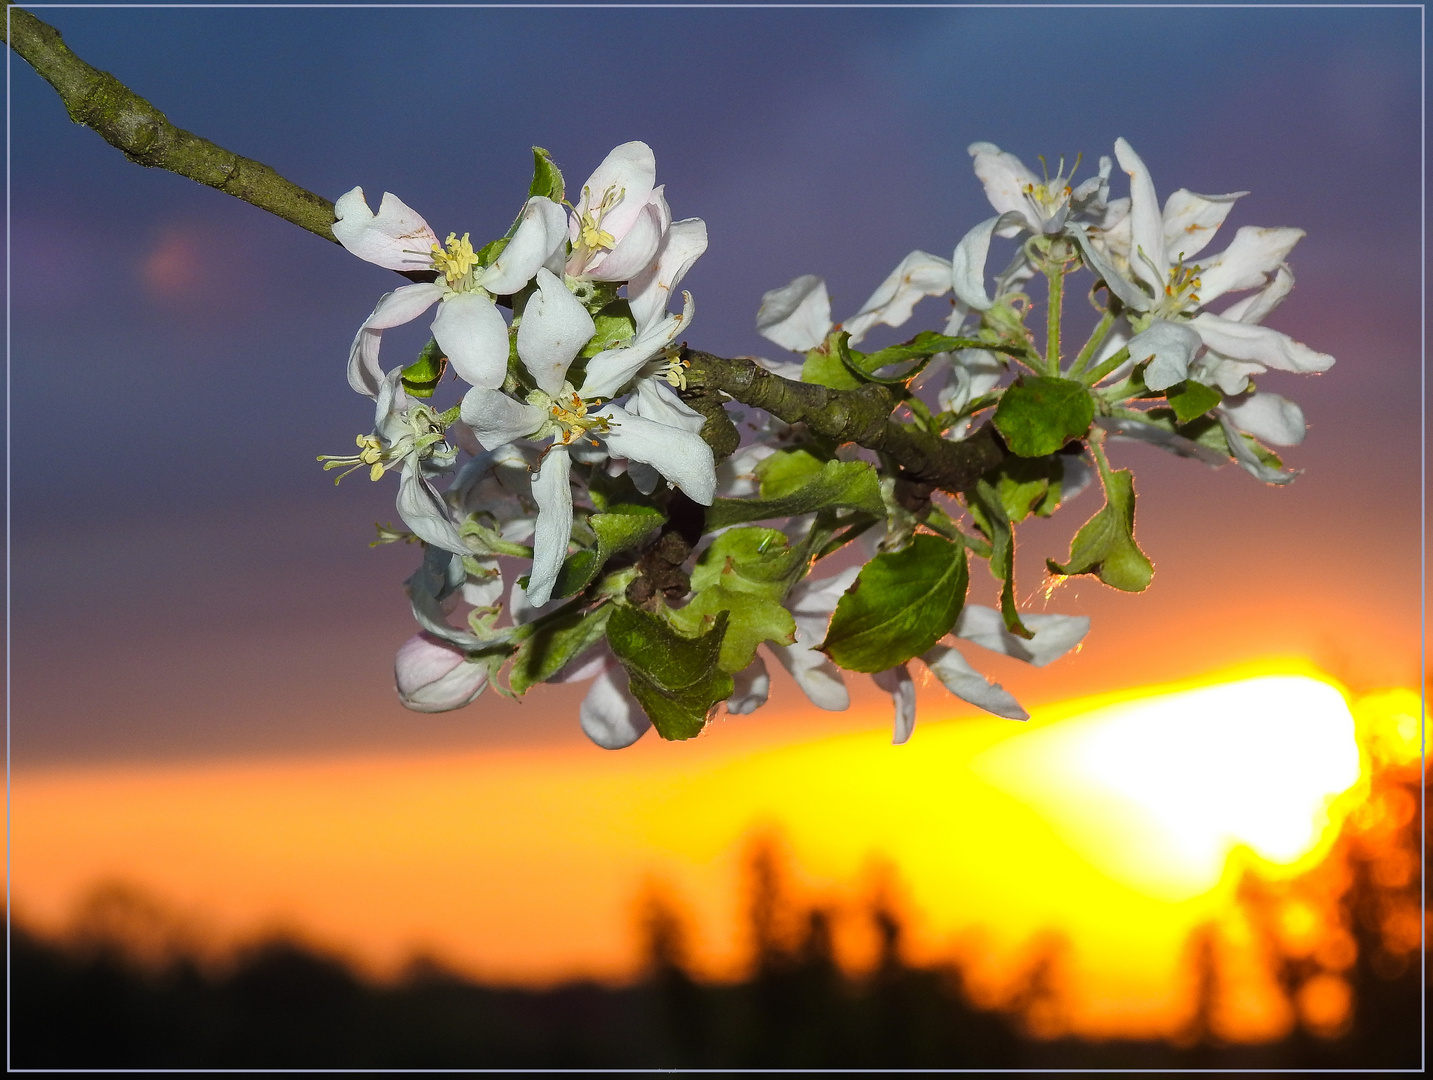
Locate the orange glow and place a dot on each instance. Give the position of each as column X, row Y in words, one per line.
column 1109, row 822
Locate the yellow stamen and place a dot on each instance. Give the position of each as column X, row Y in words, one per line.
column 456, row 260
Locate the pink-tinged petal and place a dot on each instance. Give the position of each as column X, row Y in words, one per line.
column 1256, row 307
column 393, row 309
column 1247, row 262
column 497, row 419
column 1055, row 635
column 432, row 676
column 897, row 682
column 553, row 494
column 635, row 251
column 648, row 292
column 683, row 458
column 612, row 369
column 554, row 328
column 396, row 237
column 1005, row 179
column 424, row 511
column 610, row 716
column 1259, row 344
column 919, row 275
column 962, row 680
column 1169, row 347
column 541, row 230
column 796, row 316
column 1249, row 461
column 474, row 337
column 1190, row 221
column 630, row 169
column 1269, row 418
column 1147, row 259
column 751, row 688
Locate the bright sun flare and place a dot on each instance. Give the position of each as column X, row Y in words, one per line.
column 1156, row 792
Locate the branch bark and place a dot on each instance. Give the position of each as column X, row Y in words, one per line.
column 860, row 416
column 143, row 134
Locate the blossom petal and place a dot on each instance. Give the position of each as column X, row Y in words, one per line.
column 679, row 455
column 1055, row 635
column 919, row 275
column 1169, row 347
column 1255, row 307
column 393, row 309
column 630, row 169
column 1005, row 178
column 554, row 328
column 396, row 238
column 496, row 418
column 553, row 494
column 962, row 680
column 1247, row 262
column 424, row 511
column 430, row 588
column 1147, row 259
column 898, row 683
column 1268, row 417
column 649, row 291
column 635, row 251
column 1130, row 293
column 751, row 687
column 1231, row 376
column 1190, row 220
column 819, row 679
column 474, row 337
column 541, row 230
column 967, row 265
column 612, row 369
column 1260, row 344
column 433, row 676
column 610, row 715
column 1123, row 428
column 1249, row 461
column 796, row 316
column 657, row 401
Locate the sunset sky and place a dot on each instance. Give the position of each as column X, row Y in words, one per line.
column 190, row 592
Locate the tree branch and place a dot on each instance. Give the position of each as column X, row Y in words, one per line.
column 861, row 416
column 126, row 121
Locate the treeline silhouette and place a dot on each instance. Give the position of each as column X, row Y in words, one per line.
column 128, row 988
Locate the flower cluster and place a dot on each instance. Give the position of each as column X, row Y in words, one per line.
column 645, row 565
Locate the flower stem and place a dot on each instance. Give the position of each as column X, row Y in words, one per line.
column 1089, row 378
column 1097, row 338
column 1055, row 274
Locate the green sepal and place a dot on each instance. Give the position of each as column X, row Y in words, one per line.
column 751, row 619
column 901, row 604
column 546, row 177
column 988, row 510
column 1038, row 415
column 615, row 325
column 1105, row 545
column 850, row 485
column 616, row 529
column 421, row 377
column 555, row 642
column 676, row 679
column 1190, row 399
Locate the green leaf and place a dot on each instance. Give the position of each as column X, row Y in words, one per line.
column 786, row 471
column 618, row 528
column 926, row 343
column 614, row 326
column 420, row 378
column 750, row 559
column 489, row 252
column 902, row 603
column 1024, row 485
column 1037, row 416
column 676, row 679
column 988, row 510
column 1191, row 399
column 546, row 176
column 1105, row 544
column 751, row 619
column 556, row 641
column 849, row 485
column 613, row 493
column 824, row 364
